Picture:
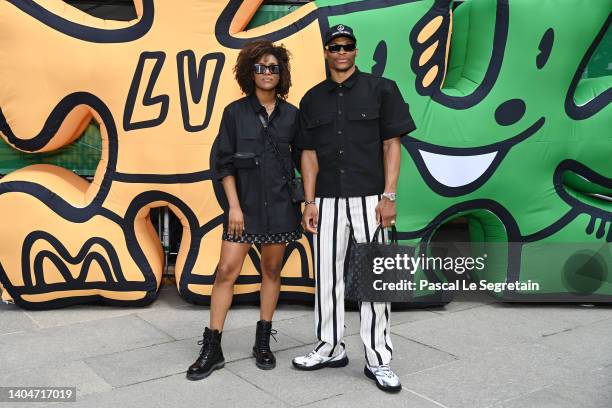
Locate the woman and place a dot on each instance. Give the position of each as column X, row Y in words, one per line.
column 253, row 162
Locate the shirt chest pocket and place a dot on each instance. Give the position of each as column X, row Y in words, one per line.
column 321, row 127
column 364, row 124
column 249, row 143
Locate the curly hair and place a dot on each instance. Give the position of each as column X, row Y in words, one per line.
column 250, row 54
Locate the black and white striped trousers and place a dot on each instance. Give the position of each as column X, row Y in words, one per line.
column 336, row 216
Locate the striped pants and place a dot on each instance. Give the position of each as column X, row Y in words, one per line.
column 336, row 217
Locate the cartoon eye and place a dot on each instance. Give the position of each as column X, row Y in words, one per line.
column 545, row 47
column 510, row 112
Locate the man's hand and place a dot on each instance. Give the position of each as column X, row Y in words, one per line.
column 386, row 212
column 236, row 222
column 310, row 218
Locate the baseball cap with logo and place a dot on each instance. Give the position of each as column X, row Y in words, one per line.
column 339, row 30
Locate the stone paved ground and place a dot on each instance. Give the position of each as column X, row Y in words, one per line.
column 471, row 353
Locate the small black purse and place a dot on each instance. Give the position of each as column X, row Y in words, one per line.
column 296, row 187
column 296, row 190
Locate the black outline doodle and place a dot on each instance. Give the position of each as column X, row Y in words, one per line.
column 602, row 100
column 86, row 33
column 321, row 15
column 148, row 99
column 196, row 84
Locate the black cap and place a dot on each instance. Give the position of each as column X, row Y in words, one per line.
column 339, row 30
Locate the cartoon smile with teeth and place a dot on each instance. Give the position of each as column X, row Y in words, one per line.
column 509, row 136
column 513, row 144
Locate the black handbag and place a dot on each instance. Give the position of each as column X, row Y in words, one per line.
column 296, row 187
column 368, row 271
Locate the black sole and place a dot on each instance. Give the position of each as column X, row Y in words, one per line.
column 332, row 364
column 201, row 376
column 371, row 376
column 263, row 366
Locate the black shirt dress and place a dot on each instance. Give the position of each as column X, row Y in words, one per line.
column 261, row 181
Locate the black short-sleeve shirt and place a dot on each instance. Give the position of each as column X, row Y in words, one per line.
column 346, row 124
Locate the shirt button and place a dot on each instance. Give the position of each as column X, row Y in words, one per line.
column 339, row 112
column 341, row 171
column 340, row 94
column 265, row 203
column 339, row 132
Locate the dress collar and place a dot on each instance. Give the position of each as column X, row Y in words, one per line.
column 257, row 106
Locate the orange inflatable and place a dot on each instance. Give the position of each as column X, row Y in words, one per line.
column 157, row 86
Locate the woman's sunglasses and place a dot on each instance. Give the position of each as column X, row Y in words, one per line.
column 261, row 68
column 338, row 47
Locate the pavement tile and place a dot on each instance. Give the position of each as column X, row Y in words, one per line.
column 288, row 384
column 148, row 363
column 65, row 374
column 586, row 347
column 408, row 357
column 374, row 398
column 591, row 390
column 297, row 387
column 184, row 323
column 13, row 319
column 221, row 389
column 167, row 298
column 54, row 345
column 468, row 332
column 492, row 377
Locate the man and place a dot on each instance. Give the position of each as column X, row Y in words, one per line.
column 350, row 126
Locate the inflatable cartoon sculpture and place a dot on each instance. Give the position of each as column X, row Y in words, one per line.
column 509, row 135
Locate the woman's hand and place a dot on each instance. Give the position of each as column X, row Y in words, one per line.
column 236, row 222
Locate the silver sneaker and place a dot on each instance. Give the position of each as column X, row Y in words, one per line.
column 315, row 361
column 385, row 379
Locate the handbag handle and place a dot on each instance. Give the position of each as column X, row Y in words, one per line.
column 379, row 230
column 376, row 232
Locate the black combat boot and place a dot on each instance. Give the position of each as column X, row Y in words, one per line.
column 210, row 358
column 264, row 358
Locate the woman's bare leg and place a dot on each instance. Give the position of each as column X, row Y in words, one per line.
column 228, row 269
column 271, row 265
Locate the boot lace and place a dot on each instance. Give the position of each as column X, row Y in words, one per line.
column 264, row 341
column 206, row 347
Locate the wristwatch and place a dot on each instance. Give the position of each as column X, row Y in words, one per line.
column 389, row 196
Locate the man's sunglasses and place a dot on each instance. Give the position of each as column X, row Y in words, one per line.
column 261, row 68
column 338, row 47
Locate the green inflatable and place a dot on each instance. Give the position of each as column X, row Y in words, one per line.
column 509, row 135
